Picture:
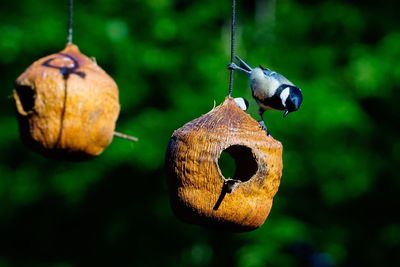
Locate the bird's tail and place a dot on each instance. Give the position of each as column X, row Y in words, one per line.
column 243, row 64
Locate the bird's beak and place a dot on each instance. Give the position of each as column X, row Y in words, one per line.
column 285, row 113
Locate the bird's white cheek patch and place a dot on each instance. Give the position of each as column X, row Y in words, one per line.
column 284, row 95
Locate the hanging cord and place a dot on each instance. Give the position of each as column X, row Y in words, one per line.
column 70, row 16
column 70, row 25
column 233, row 30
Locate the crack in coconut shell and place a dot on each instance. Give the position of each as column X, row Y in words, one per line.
column 196, row 183
column 67, row 106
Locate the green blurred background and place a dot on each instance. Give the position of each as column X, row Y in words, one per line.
column 336, row 203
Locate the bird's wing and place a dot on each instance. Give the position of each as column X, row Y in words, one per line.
column 282, row 79
column 263, row 68
column 243, row 64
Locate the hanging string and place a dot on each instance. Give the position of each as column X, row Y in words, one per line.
column 70, row 20
column 70, row 15
column 233, row 29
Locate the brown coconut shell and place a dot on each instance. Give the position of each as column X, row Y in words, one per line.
column 67, row 105
column 198, row 191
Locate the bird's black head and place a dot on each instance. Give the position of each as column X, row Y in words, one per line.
column 293, row 101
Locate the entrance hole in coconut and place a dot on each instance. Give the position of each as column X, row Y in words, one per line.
column 26, row 98
column 237, row 162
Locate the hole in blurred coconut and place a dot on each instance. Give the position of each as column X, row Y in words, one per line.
column 26, row 96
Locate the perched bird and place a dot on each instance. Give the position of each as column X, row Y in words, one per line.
column 270, row 89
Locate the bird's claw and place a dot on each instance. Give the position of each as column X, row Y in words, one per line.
column 262, row 124
column 232, row 66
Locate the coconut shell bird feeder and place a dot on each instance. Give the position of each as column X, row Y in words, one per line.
column 200, row 193
column 67, row 106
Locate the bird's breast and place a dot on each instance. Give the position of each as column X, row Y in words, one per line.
column 263, row 88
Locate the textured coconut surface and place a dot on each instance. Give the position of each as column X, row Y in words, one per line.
column 196, row 184
column 67, row 105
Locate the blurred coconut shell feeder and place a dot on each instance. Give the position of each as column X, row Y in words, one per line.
column 199, row 192
column 67, row 106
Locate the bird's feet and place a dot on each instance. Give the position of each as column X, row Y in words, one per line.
column 262, row 124
column 233, row 66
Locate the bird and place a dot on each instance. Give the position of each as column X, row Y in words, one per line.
column 270, row 89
